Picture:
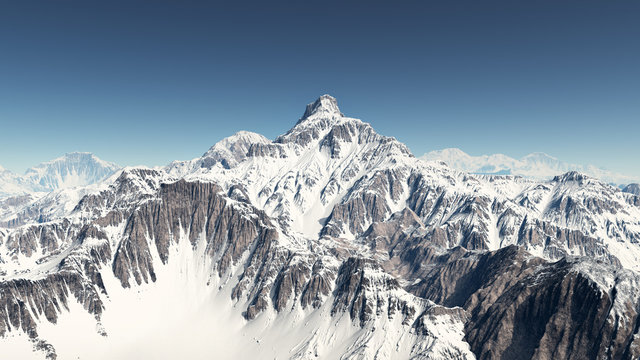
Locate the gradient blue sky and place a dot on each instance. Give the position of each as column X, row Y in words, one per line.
column 147, row 82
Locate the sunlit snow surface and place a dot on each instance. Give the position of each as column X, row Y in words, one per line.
column 187, row 313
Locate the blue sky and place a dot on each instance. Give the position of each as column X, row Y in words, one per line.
column 147, row 82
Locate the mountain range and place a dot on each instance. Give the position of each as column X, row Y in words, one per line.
column 539, row 166
column 330, row 241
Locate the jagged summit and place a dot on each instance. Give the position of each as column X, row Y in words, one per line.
column 319, row 117
column 324, row 134
column 570, row 176
column 325, row 105
column 632, row 189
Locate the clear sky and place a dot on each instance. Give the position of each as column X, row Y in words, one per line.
column 147, row 82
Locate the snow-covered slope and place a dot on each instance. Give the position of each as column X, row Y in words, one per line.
column 330, row 241
column 536, row 165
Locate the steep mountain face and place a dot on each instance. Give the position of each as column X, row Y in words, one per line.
column 522, row 307
column 332, row 242
column 632, row 189
column 537, row 166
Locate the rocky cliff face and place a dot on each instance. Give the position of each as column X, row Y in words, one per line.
column 522, row 307
column 632, row 189
column 334, row 242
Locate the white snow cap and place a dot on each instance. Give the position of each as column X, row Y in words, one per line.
column 324, row 105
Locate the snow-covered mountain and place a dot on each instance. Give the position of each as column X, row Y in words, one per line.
column 632, row 189
column 68, row 171
column 331, row 241
column 537, row 166
column 63, row 180
column 71, row 170
column 13, row 184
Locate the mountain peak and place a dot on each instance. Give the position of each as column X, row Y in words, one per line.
column 74, row 156
column 324, row 105
column 70, row 170
column 539, row 157
column 570, row 176
column 632, row 189
column 319, row 116
column 232, row 149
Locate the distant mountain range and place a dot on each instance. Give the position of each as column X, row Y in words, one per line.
column 71, row 170
column 537, row 166
column 49, row 188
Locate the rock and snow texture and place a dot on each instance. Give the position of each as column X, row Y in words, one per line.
column 537, row 166
column 331, row 242
column 632, row 189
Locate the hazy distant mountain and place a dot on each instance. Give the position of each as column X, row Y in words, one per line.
column 329, row 242
column 46, row 189
column 13, row 184
column 71, row 170
column 536, row 165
